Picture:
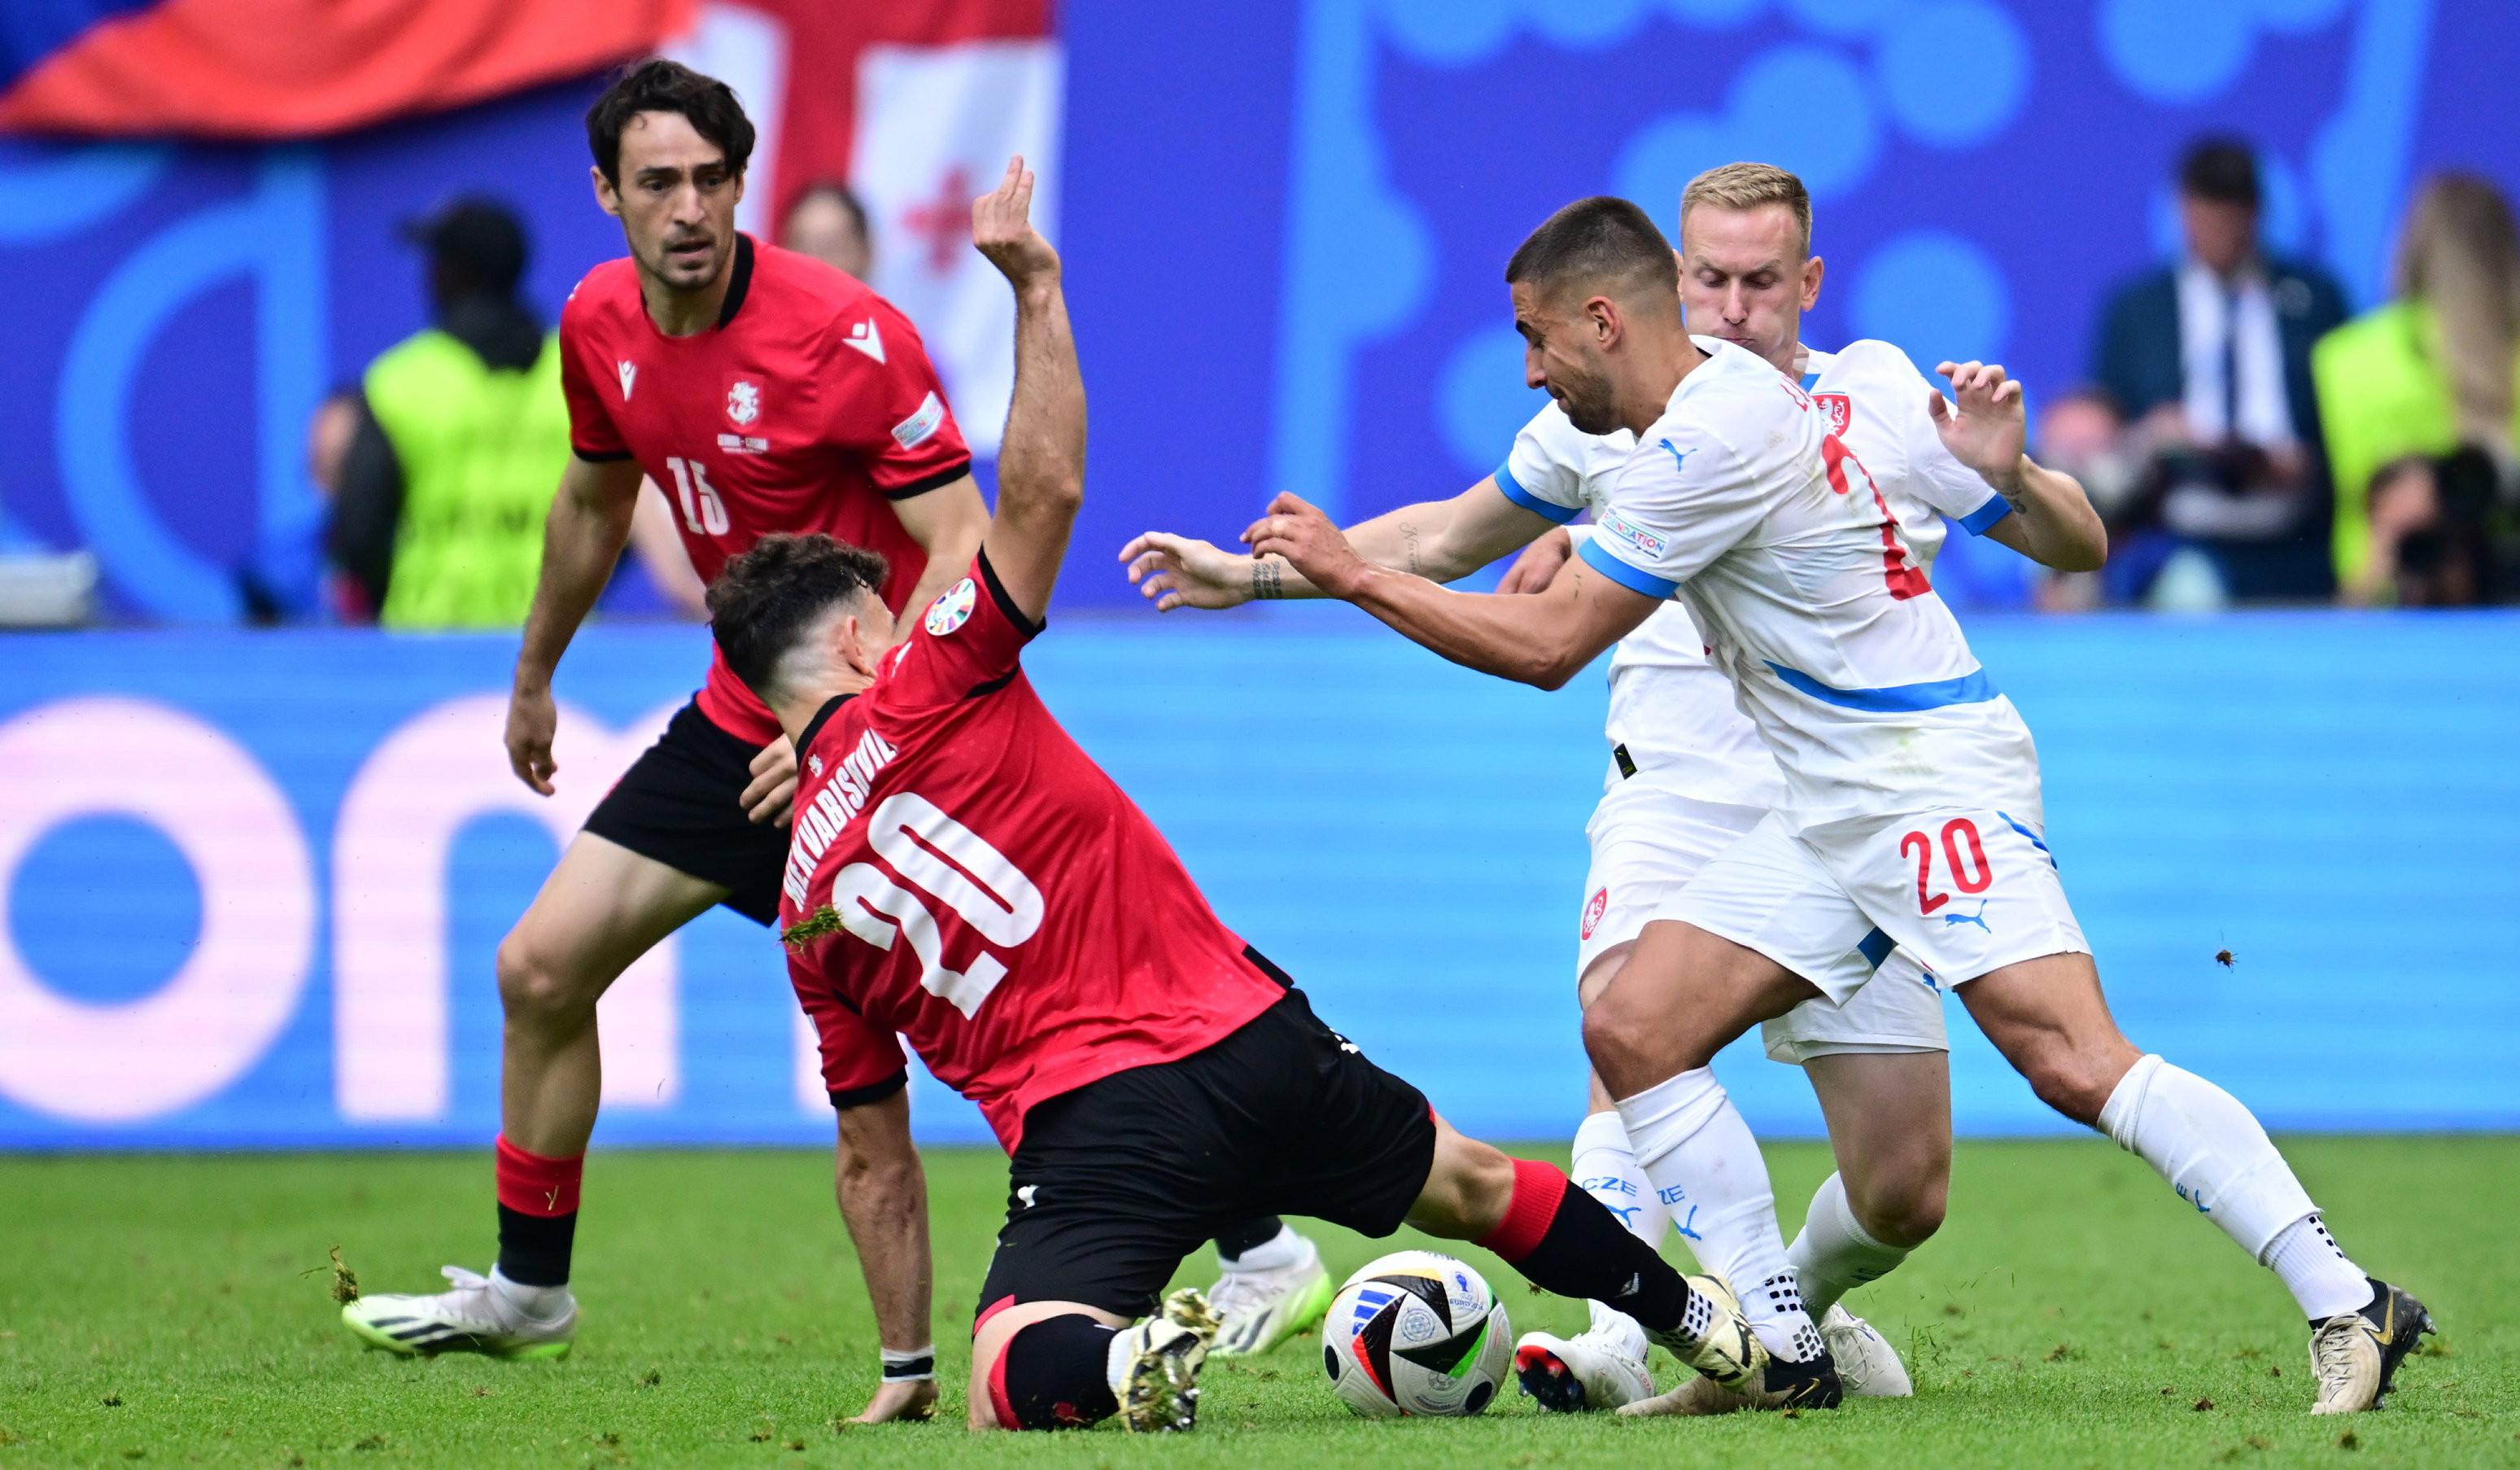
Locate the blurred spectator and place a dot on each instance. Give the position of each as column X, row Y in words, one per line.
column 329, row 434
column 2421, row 418
column 827, row 224
column 2082, row 434
column 460, row 439
column 2210, row 359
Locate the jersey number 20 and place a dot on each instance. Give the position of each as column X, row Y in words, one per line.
column 958, row 868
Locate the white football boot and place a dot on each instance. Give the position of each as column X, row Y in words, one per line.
column 1261, row 1308
column 1866, row 1363
column 1153, row 1366
column 1603, row 1367
column 482, row 1314
column 2356, row 1353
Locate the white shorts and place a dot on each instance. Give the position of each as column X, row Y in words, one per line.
column 1648, row 843
column 1963, row 890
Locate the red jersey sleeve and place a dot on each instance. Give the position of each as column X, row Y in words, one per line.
column 893, row 416
column 862, row 1062
column 591, row 430
column 968, row 641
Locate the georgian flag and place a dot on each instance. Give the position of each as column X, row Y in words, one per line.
column 916, row 107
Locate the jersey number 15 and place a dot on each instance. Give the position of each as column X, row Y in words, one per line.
column 703, row 511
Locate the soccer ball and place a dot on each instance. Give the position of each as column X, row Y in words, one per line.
column 1415, row 1333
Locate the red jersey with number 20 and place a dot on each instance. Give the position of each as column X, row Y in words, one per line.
column 810, row 406
column 1005, row 907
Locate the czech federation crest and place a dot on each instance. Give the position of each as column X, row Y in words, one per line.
column 744, row 401
column 954, row 608
column 1840, row 410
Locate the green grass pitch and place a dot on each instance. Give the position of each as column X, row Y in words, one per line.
column 160, row 1311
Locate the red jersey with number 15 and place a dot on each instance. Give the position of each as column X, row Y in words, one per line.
column 1002, row 904
column 809, row 406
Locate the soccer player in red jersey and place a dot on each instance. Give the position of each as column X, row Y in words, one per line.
column 765, row 391
column 964, row 876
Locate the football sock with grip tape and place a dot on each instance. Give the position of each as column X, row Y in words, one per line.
column 537, row 1214
column 1691, row 1143
column 1054, row 1374
column 1834, row 1254
column 2217, row 1158
column 1563, row 1241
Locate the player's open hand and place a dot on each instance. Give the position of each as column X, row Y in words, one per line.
column 1537, row 566
column 1298, row 531
column 1184, row 571
column 1983, row 425
column 1002, row 230
column 532, row 719
column 773, row 790
column 916, row 1400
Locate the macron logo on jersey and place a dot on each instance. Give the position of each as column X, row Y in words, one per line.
column 866, row 338
column 629, row 375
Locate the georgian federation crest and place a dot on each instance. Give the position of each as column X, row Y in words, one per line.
column 744, row 401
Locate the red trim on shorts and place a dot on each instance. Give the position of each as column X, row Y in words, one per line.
column 1536, row 1190
column 1004, row 1406
column 992, row 1309
column 531, row 1184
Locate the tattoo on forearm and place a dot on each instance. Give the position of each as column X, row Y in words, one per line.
column 1408, row 536
column 1266, row 575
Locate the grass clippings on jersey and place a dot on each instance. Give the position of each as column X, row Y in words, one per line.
column 177, row 1310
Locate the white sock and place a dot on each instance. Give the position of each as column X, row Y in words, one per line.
column 2217, row 1159
column 1606, row 1169
column 2314, row 1269
column 1834, row 1255
column 1278, row 1252
column 544, row 1302
column 1692, row 1145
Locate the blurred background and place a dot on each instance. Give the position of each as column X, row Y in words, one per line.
column 2255, row 260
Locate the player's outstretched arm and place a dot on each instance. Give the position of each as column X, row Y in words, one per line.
column 582, row 539
column 1440, row 539
column 883, row 1199
column 1040, row 461
column 1543, row 639
column 1986, row 427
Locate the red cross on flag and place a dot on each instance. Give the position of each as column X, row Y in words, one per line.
column 916, row 105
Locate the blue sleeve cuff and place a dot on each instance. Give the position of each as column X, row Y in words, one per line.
column 1513, row 491
column 1978, row 522
column 1621, row 573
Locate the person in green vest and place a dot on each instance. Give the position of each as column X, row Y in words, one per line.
column 2420, row 413
column 462, row 442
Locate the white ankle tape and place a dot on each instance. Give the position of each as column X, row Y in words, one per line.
column 914, row 1366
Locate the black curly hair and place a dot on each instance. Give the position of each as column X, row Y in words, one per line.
column 766, row 599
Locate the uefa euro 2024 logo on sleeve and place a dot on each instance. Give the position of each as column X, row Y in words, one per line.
column 953, row 610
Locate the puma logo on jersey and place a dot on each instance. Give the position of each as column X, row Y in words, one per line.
column 629, row 375
column 866, row 338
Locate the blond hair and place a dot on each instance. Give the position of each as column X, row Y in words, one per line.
column 2462, row 255
column 1749, row 186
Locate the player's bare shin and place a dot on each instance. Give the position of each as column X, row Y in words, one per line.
column 1542, row 640
column 582, row 539
column 883, row 1194
column 1041, row 461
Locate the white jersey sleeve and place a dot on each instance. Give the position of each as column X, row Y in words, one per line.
column 1935, row 475
column 1687, row 495
column 1545, row 471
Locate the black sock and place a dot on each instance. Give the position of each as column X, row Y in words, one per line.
column 1054, row 1374
column 534, row 1249
column 1247, row 1236
column 1564, row 1240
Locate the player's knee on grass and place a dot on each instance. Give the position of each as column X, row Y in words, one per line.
column 1054, row 1374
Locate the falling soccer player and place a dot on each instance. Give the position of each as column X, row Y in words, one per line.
column 965, row 876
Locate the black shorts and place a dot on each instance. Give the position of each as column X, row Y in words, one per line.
column 681, row 803
column 1116, row 1181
